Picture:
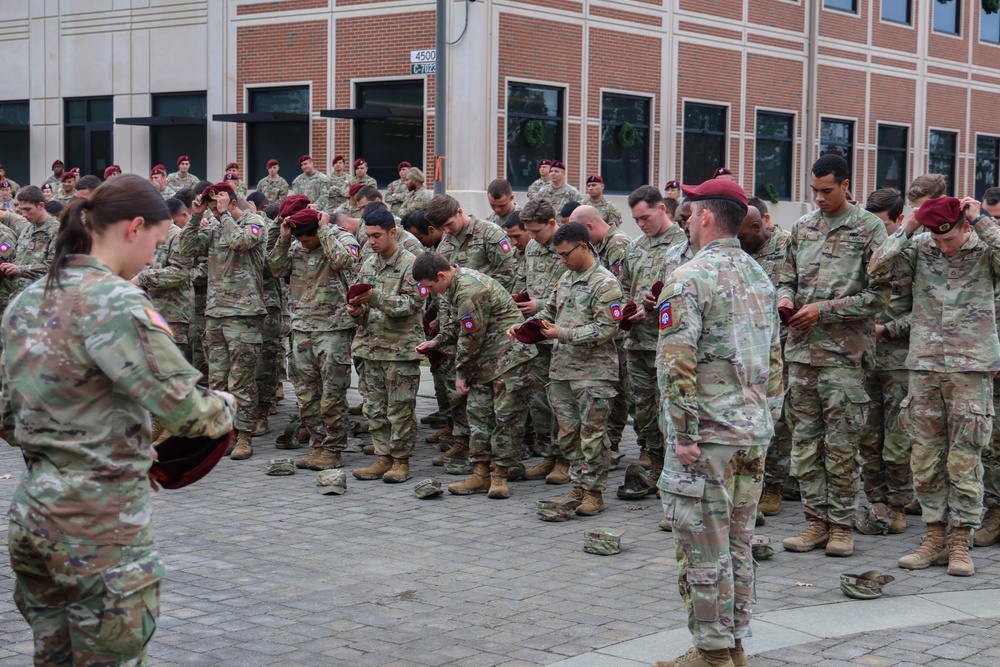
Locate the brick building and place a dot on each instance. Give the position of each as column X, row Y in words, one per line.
column 638, row 90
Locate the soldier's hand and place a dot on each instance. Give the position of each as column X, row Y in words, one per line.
column 910, row 224
column 461, row 387
column 648, row 301
column 284, row 231
column 198, row 206
column 879, row 331
column 221, row 201
column 362, row 299
column 427, row 346
column 8, row 269
column 324, row 219
column 528, row 308
column 786, row 303
column 640, row 313
column 807, row 316
column 550, row 332
column 972, row 208
column 687, row 454
column 354, row 311
column 510, row 331
column 252, row 206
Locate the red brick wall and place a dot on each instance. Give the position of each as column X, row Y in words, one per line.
column 782, row 92
column 889, row 35
column 891, row 103
column 280, row 6
column 835, row 24
column 778, row 14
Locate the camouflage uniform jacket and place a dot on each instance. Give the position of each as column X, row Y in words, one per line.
column 613, row 250
column 275, row 189
column 418, row 200
column 390, row 326
column 827, row 263
column 521, row 274
column 235, row 268
column 404, row 238
column 648, row 260
column 608, row 211
column 35, row 249
column 536, row 187
column 338, row 191
column 483, row 311
column 586, row 306
column 319, row 279
column 316, row 187
column 8, row 253
column 484, row 247
column 953, row 324
column 168, row 281
column 60, row 195
column 272, row 286
column 349, row 209
column 499, row 220
column 178, row 182
column 559, row 197
column 719, row 353
column 395, row 194
column 367, row 180
column 80, row 412
column 772, row 255
column 543, row 268
column 167, row 192
column 15, row 222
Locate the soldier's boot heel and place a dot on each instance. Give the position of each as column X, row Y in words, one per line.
column 959, row 560
column 738, row 655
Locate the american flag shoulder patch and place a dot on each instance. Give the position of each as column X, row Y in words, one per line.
column 157, row 321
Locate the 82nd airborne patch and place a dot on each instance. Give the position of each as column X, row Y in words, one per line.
column 666, row 315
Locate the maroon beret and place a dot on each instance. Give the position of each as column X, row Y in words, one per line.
column 545, row 163
column 4, row 184
column 46, row 186
column 357, row 290
column 436, row 357
column 717, row 189
column 230, row 177
column 722, row 171
column 183, row 461
column 303, row 221
column 183, row 158
column 232, row 165
column 556, row 164
column 292, row 204
column 158, row 169
column 68, row 175
column 940, row 215
column 360, row 161
column 108, row 171
column 209, row 193
column 594, row 179
column 272, row 163
column 672, row 184
column 59, row 163
column 402, row 164
column 522, row 297
column 75, row 170
column 355, row 188
column 628, row 311
column 656, row 289
column 531, row 331
column 337, row 158
column 785, row 314
column 303, row 158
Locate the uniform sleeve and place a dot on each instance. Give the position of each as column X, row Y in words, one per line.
column 895, row 258
column 898, row 328
column 406, row 302
column 341, row 256
column 501, row 252
column 279, row 260
column 788, row 277
column 175, row 274
column 193, row 240
column 602, row 325
column 36, row 271
column 625, row 277
column 547, row 310
column 680, row 328
column 775, row 381
column 868, row 301
column 471, row 327
column 244, row 236
column 988, row 230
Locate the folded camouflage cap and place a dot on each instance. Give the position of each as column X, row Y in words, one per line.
column 278, row 467
column 427, row 488
column 551, row 510
column 875, row 521
column 331, row 481
column 864, row 586
column 636, row 484
column 761, row 547
column 603, row 541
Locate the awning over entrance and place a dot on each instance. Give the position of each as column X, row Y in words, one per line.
column 260, row 117
column 158, row 121
column 373, row 112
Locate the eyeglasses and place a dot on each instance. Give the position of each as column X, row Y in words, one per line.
column 565, row 255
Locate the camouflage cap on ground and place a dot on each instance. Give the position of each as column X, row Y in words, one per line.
column 331, row 481
column 278, row 467
column 457, row 467
column 551, row 510
column 864, row 586
column 636, row 483
column 603, row 541
column 875, row 521
column 427, row 488
column 761, row 548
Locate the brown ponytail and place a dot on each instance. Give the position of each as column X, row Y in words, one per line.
column 122, row 198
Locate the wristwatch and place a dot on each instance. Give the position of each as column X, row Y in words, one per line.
column 980, row 217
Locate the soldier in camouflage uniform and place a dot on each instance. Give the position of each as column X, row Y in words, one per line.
column 6, row 196
column 825, row 282
column 542, row 180
column 418, row 197
column 361, row 174
column 272, row 186
column 719, row 356
column 989, row 530
column 367, row 196
column 14, row 221
column 36, row 244
column 490, row 369
column 233, row 179
column 557, row 191
column 389, row 331
column 55, row 178
column 158, row 177
column 14, row 186
column 953, row 355
column 272, row 329
column 182, row 178
column 595, row 197
column 234, row 243
column 312, row 184
column 396, row 191
column 66, row 191
column 501, row 197
column 8, row 253
column 321, row 261
column 582, row 313
column 338, row 184
column 81, row 537
column 351, row 208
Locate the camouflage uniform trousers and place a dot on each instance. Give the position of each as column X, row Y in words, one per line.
column 778, row 464
column 991, row 455
column 581, row 409
column 196, row 335
column 884, row 446
column 497, row 412
column 828, row 409
column 949, row 417
column 390, row 402
column 441, row 392
column 712, row 507
column 542, row 420
column 457, row 403
column 232, row 345
column 620, row 407
column 645, row 397
column 86, row 604
column 269, row 360
column 322, row 376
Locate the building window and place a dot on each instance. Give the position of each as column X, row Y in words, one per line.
column 386, row 141
column 836, row 137
column 941, row 156
column 989, row 27
column 987, row 163
column 947, row 16
column 534, row 130
column 88, row 124
column 14, row 137
column 167, row 142
column 704, row 141
column 283, row 140
column 890, row 160
column 773, row 155
column 896, row 11
column 624, row 142
column 842, row 5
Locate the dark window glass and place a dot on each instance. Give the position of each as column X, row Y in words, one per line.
column 947, row 16
column 167, row 142
column 897, row 11
column 534, row 130
column 941, row 156
column 989, row 27
column 987, row 163
column 385, row 142
column 836, row 137
column 890, row 159
column 14, row 140
column 773, row 154
column 842, row 5
column 624, row 168
column 283, row 140
column 88, row 133
column 704, row 141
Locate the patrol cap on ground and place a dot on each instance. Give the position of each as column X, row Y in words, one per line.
column 271, row 163
column 864, row 586
column 594, row 178
column 279, row 467
column 460, row 466
column 232, row 165
column 672, row 184
column 360, row 161
column 303, row 222
column 550, row 510
column 603, row 541
column 403, row 164
column 717, row 189
column 761, row 548
column 636, row 484
column 427, row 488
column 355, row 188
column 212, row 190
column 337, row 158
column 415, row 175
column 531, row 331
column 556, row 164
column 182, row 158
column 158, row 169
column 331, row 481
column 292, row 205
column 545, row 163
column 58, row 163
column 183, row 461
column 357, row 290
column 876, row 520
column 939, row 215
column 722, row 171
column 303, row 158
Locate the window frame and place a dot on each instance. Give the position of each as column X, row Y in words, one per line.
column 244, row 160
column 850, row 12
column 650, row 130
column 792, row 141
column 89, row 127
column 353, row 134
column 935, row 6
column 726, row 134
column 995, row 160
column 171, row 165
column 979, row 36
column 909, row 16
column 23, row 135
column 853, row 122
column 563, row 137
column 904, row 182
column 952, row 185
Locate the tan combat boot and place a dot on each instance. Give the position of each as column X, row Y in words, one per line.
column 959, row 561
column 400, row 471
column 815, row 535
column 369, row 450
column 261, row 427
column 574, row 498
column 665, row 525
column 655, row 470
column 442, row 433
column 696, row 657
column 989, row 531
column 560, row 472
column 932, row 551
column 593, row 504
column 355, row 409
column 459, row 450
column 305, row 462
column 541, row 469
column 244, row 448
column 841, row 541
column 382, row 465
column 898, row 517
column 770, row 500
column 279, row 393
column 324, row 459
column 498, row 483
column 477, row 482
column 644, row 460
column 738, row 654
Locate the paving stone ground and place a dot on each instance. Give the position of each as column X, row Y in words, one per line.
column 265, row 571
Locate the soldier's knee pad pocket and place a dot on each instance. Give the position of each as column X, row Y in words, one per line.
column 704, row 582
column 978, row 420
column 682, row 500
column 856, row 409
column 130, row 607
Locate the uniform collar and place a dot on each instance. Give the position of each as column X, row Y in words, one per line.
column 584, row 276
column 673, row 235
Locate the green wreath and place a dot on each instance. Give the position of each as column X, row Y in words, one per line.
column 534, row 133
column 772, row 192
column 627, row 135
column 991, row 6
